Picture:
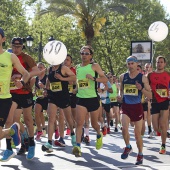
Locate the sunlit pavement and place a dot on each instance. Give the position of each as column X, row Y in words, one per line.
column 106, row 158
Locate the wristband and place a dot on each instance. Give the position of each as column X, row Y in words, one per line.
column 94, row 78
column 23, row 83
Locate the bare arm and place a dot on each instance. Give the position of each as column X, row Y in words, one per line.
column 120, row 95
column 66, row 72
column 16, row 63
column 102, row 78
column 34, row 71
column 147, row 89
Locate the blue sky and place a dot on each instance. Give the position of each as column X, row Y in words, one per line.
column 166, row 4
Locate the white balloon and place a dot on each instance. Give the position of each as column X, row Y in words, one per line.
column 158, row 31
column 54, row 52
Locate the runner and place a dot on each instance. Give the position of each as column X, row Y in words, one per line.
column 22, row 98
column 58, row 96
column 7, row 62
column 87, row 96
column 159, row 81
column 132, row 85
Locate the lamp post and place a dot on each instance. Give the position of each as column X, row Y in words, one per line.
column 40, row 47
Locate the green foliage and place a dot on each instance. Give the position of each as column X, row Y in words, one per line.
column 13, row 19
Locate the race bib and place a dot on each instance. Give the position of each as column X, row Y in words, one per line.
column 55, row 86
column 70, row 88
column 130, row 89
column 113, row 99
column 39, row 93
column 1, row 88
column 12, row 86
column 162, row 92
column 83, row 84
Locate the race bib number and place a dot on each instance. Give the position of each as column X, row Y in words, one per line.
column 162, row 92
column 1, row 88
column 55, row 86
column 113, row 99
column 83, row 84
column 70, row 88
column 12, row 86
column 39, row 93
column 130, row 89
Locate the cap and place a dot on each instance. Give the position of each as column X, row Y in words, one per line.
column 17, row 41
column 2, row 32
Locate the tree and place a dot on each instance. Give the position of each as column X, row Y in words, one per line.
column 13, row 19
column 90, row 14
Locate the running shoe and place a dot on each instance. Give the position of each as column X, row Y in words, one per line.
column 86, row 139
column 76, row 151
column 22, row 150
column 16, row 136
column 73, row 140
column 126, row 152
column 47, row 148
column 111, row 123
column 104, row 131
column 60, row 142
column 57, row 135
column 162, row 150
column 68, row 131
column 39, row 134
column 8, row 154
column 152, row 134
column 168, row 135
column 31, row 152
column 139, row 160
column 108, row 130
column 99, row 142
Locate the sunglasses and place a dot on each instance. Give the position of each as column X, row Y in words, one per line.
column 85, row 53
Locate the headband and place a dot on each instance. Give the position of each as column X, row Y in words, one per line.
column 131, row 59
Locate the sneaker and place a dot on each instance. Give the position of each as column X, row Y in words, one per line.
column 86, row 139
column 126, row 152
column 73, row 140
column 152, row 134
column 47, row 148
column 8, row 154
column 116, row 129
column 16, row 136
column 57, row 135
column 68, row 131
column 60, row 142
column 108, row 130
column 139, row 160
column 39, row 134
column 104, row 131
column 44, row 133
column 76, row 151
column 158, row 133
column 99, row 142
column 168, row 135
column 31, row 152
column 12, row 144
column 22, row 150
column 111, row 123
column 162, row 150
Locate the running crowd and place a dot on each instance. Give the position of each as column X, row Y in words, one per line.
column 75, row 97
